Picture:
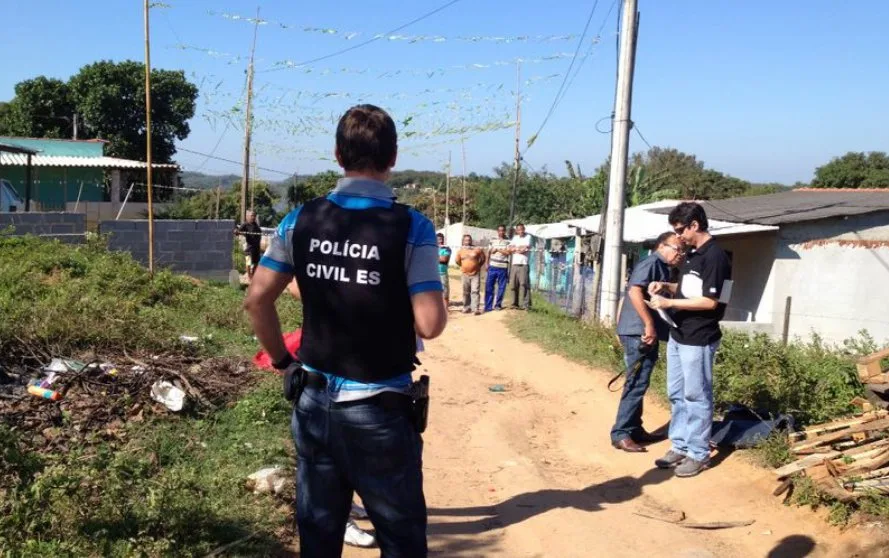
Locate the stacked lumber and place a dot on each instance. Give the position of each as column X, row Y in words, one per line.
column 845, row 458
column 875, row 378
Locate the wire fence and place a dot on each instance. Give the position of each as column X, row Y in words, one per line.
column 553, row 279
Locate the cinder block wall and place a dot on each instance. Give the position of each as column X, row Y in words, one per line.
column 66, row 227
column 199, row 248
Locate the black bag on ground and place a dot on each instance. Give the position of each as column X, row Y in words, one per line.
column 743, row 428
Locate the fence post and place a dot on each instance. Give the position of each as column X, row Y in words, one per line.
column 577, row 279
column 786, row 333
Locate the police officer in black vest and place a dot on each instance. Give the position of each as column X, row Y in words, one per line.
column 367, row 270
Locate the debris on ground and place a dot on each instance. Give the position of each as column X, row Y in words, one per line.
column 845, row 458
column 171, row 396
column 80, row 402
column 270, row 480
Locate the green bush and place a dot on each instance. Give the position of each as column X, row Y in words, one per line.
column 59, row 300
column 810, row 380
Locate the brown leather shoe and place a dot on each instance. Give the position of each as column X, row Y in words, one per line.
column 628, row 445
column 643, row 437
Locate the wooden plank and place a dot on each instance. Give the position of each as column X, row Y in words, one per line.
column 867, row 450
column 867, row 465
column 880, row 424
column 804, row 463
column 865, row 476
column 816, row 429
column 869, row 366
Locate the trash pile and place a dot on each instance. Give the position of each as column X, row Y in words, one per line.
column 846, row 459
column 66, row 403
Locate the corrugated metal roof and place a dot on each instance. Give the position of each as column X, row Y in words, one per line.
column 645, row 223
column 796, row 206
column 16, row 159
column 12, row 148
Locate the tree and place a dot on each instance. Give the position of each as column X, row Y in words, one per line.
column 42, row 108
column 202, row 205
column 311, row 187
column 111, row 99
column 854, row 170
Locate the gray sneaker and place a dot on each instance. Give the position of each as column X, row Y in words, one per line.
column 691, row 467
column 669, row 460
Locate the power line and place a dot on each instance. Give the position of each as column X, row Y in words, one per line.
column 239, row 163
column 374, row 38
column 639, row 133
column 555, row 102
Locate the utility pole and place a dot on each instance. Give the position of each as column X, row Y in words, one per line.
column 463, row 147
column 614, row 227
column 218, row 195
column 248, row 126
column 253, row 187
column 518, row 134
column 75, row 126
column 447, row 217
column 148, row 168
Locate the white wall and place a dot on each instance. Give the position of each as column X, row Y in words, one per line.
column 835, row 271
column 752, row 261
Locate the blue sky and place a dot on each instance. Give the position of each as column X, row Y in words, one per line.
column 760, row 89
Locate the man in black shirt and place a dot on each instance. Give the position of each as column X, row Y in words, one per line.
column 252, row 234
column 700, row 299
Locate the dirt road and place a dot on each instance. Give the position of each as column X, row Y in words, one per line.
column 530, row 471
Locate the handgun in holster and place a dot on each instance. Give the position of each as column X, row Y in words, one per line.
column 295, row 379
column 420, row 400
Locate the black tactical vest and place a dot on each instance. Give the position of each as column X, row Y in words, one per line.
column 358, row 321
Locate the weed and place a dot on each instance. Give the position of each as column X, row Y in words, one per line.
column 774, row 451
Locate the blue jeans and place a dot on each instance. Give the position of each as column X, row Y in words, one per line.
column 360, row 446
column 496, row 276
column 629, row 411
column 690, row 389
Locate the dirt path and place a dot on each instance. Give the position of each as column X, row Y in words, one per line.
column 531, row 472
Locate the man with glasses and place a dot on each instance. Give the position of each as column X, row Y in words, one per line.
column 699, row 302
column 640, row 329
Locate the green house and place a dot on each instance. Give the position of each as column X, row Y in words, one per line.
column 51, row 173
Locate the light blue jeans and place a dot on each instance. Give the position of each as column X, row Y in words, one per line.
column 690, row 389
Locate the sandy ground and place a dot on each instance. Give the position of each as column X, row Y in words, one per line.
column 530, row 471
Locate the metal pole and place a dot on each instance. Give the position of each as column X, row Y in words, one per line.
column 75, row 125
column 614, row 226
column 125, row 200
column 248, row 126
column 518, row 133
column 148, row 141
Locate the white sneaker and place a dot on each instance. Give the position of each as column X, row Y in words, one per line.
column 355, row 536
column 358, row 512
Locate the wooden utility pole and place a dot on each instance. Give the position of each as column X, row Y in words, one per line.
column 463, row 147
column 614, row 226
column 248, row 125
column 148, row 168
column 218, row 195
column 447, row 216
column 253, row 187
column 518, row 134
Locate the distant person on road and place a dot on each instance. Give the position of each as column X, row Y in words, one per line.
column 520, row 272
column 699, row 302
column 252, row 233
column 444, row 259
column 640, row 329
column 471, row 259
column 498, row 270
column 365, row 266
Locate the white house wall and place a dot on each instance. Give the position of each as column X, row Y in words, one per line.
column 835, row 271
column 752, row 260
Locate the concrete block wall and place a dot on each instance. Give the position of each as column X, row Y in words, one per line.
column 199, row 248
column 66, row 227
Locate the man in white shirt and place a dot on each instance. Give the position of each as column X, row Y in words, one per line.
column 520, row 272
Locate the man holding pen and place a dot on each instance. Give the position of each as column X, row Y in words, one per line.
column 699, row 302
